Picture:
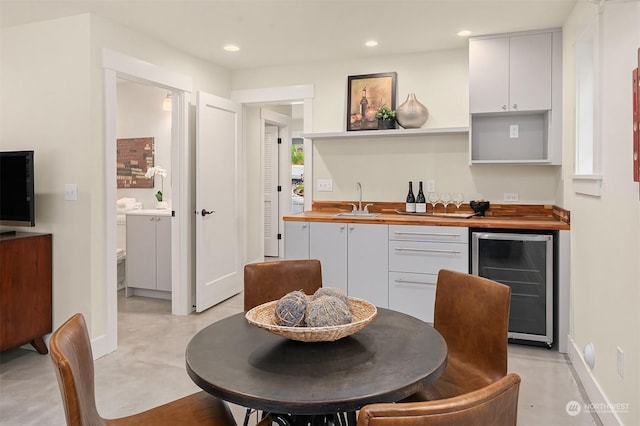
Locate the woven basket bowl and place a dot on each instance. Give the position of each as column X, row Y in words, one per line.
column 362, row 312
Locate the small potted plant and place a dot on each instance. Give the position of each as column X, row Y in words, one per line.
column 386, row 117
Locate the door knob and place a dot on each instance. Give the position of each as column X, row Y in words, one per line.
column 205, row 212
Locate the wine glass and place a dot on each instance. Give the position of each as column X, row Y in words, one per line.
column 446, row 200
column 458, row 199
column 434, row 199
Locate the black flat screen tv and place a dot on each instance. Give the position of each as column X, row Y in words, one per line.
column 17, row 200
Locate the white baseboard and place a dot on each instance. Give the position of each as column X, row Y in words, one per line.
column 591, row 386
column 99, row 346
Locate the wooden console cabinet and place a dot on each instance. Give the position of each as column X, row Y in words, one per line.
column 25, row 290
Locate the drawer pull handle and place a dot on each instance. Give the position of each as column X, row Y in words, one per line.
column 431, row 234
column 401, row 281
column 427, row 250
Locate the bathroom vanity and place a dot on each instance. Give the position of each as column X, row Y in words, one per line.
column 149, row 253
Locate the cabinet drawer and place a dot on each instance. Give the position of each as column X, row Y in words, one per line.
column 427, row 257
column 454, row 234
column 413, row 294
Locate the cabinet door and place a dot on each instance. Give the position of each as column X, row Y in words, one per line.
column 530, row 72
column 368, row 270
column 163, row 253
column 328, row 243
column 141, row 251
column 413, row 294
column 489, row 75
column 296, row 240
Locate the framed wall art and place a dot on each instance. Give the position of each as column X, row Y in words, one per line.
column 365, row 94
column 133, row 157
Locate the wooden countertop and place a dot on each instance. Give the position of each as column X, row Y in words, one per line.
column 524, row 218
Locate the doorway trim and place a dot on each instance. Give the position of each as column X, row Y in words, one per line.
column 283, row 123
column 117, row 65
column 283, row 94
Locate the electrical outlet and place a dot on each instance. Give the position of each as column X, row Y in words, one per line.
column 514, row 131
column 620, row 361
column 431, row 185
column 325, row 185
column 510, row 196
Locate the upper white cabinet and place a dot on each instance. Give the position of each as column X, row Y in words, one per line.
column 510, row 73
column 515, row 99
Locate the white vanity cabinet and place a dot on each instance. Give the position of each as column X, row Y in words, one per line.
column 510, row 73
column 296, row 240
column 149, row 253
column 416, row 254
column 353, row 258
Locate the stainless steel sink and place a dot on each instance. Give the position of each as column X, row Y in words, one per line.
column 357, row 214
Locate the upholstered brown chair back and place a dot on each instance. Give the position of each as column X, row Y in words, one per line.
column 70, row 350
column 72, row 357
column 267, row 281
column 472, row 314
column 495, row 404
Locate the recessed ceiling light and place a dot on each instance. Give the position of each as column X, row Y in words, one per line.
column 464, row 33
column 231, row 48
column 371, row 43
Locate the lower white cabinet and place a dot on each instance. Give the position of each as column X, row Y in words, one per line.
column 328, row 243
column 353, row 257
column 391, row 266
column 416, row 255
column 296, row 240
column 148, row 252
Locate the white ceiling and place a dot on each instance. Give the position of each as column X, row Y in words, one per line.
column 279, row 32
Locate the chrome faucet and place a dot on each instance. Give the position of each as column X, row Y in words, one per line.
column 358, row 208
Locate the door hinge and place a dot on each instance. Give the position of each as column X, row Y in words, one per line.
column 279, row 141
column 279, row 236
column 279, row 189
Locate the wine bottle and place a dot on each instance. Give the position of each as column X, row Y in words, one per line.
column 421, row 202
column 411, row 200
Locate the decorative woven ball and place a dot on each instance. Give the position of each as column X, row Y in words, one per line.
column 290, row 309
column 326, row 311
column 332, row 291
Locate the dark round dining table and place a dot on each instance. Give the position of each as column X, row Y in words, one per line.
column 393, row 357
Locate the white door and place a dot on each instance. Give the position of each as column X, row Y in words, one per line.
column 218, row 201
column 270, row 183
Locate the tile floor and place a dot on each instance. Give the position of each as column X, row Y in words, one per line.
column 148, row 370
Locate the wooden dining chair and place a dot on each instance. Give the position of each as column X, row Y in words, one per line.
column 267, row 281
column 72, row 357
column 495, row 404
column 472, row 314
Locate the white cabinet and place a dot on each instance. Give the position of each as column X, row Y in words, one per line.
column 515, row 101
column 148, row 253
column 368, row 263
column 296, row 240
column 353, row 257
column 328, row 243
column 416, row 255
column 511, row 73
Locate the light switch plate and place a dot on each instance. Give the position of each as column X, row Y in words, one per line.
column 510, row 196
column 70, row 191
column 325, row 185
column 431, row 185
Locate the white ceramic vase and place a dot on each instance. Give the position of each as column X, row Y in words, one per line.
column 412, row 114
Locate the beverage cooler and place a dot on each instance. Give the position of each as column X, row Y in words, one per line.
column 524, row 262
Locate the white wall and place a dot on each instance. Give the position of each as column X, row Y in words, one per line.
column 384, row 166
column 51, row 100
column 605, row 231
